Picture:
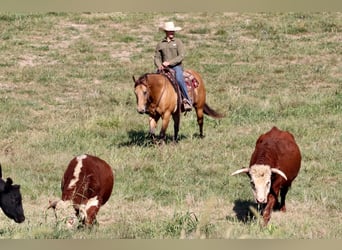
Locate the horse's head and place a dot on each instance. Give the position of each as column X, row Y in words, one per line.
column 141, row 93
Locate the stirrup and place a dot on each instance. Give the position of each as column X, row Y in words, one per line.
column 186, row 101
column 187, row 105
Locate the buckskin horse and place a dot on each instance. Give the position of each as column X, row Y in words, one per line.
column 159, row 98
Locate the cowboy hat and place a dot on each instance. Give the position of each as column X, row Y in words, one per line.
column 169, row 26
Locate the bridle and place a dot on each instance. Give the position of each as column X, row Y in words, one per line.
column 141, row 82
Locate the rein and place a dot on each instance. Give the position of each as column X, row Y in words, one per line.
column 162, row 93
column 140, row 82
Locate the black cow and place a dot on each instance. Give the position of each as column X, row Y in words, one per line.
column 10, row 200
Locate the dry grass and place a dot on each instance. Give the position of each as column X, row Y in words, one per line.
column 66, row 89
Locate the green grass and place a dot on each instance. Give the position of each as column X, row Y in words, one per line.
column 66, row 89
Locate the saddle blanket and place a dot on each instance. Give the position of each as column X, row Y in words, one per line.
column 190, row 80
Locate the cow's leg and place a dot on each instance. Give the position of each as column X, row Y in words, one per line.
column 271, row 200
column 89, row 211
column 283, row 192
column 275, row 193
column 91, row 215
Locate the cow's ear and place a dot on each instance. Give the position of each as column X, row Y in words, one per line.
column 52, row 204
column 9, row 181
column 8, row 184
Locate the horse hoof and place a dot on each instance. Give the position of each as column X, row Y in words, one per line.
column 161, row 143
column 175, row 142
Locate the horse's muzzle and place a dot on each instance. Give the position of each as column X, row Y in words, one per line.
column 142, row 110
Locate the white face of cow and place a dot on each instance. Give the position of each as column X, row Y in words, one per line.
column 65, row 213
column 260, row 182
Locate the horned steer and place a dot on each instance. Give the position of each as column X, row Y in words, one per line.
column 274, row 164
column 10, row 200
column 87, row 184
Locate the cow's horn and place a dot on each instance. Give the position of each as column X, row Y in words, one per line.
column 242, row 170
column 278, row 171
column 52, row 204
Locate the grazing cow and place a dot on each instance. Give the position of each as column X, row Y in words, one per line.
column 10, row 200
column 274, row 164
column 87, row 184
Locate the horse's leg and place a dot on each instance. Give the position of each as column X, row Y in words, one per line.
column 176, row 122
column 153, row 124
column 200, row 115
column 165, row 122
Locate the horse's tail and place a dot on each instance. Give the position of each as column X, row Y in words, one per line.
column 209, row 111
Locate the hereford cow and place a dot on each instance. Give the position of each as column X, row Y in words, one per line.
column 10, row 200
column 87, row 184
column 274, row 164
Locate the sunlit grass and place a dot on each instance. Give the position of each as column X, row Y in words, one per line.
column 66, row 89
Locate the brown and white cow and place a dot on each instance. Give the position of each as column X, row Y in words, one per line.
column 274, row 164
column 87, row 184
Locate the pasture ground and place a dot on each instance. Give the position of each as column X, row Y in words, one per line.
column 66, row 89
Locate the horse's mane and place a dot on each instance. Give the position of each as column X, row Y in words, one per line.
column 141, row 79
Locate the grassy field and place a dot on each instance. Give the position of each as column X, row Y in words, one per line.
column 66, row 89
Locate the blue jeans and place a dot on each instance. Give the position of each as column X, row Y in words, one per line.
column 181, row 81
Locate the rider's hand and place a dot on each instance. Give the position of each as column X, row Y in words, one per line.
column 166, row 64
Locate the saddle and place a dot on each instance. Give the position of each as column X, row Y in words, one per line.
column 190, row 81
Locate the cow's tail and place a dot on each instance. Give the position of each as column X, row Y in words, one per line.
column 212, row 113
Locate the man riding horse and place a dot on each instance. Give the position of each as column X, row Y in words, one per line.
column 157, row 96
column 170, row 53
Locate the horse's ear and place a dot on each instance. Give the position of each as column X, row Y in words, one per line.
column 133, row 78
